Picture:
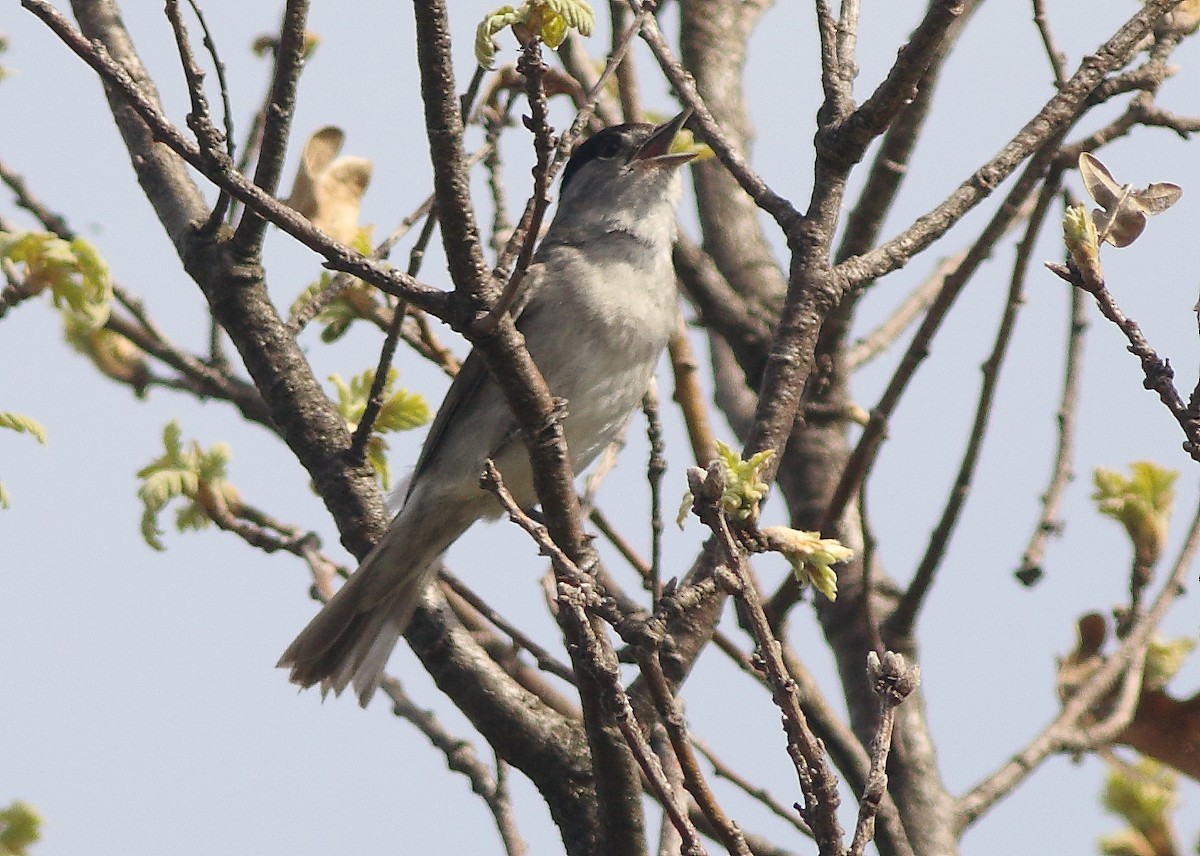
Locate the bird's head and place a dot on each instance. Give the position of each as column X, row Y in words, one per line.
column 624, row 178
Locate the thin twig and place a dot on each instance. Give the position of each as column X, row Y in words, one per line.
column 1065, row 733
column 200, row 119
column 277, row 125
column 533, row 69
column 758, row 794
column 1061, row 471
column 566, row 142
column 546, row 661
column 846, row 135
column 222, row 83
column 627, row 76
column 461, row 757
column 861, row 460
column 366, row 424
column 689, row 395
column 901, row 620
column 575, row 596
column 656, row 468
column 494, row 121
column 620, row 542
column 1158, row 372
column 627, row 724
column 51, row 221
column 1058, row 59
column 1057, row 116
column 878, row 340
column 671, row 716
column 784, row 213
column 338, row 256
column 893, row 681
column 196, row 375
column 818, row 784
column 357, row 451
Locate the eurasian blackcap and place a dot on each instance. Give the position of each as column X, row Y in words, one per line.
column 600, row 308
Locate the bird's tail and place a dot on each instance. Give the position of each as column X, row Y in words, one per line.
column 350, row 639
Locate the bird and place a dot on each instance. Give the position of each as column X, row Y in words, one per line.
column 598, row 309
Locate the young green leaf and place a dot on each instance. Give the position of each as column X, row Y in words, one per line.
column 72, row 271
column 20, row 827
column 1164, row 658
column 356, row 301
column 189, row 473
column 744, row 490
column 401, row 410
column 547, row 20
column 1141, row 503
column 22, row 425
column 1145, row 796
column 810, row 555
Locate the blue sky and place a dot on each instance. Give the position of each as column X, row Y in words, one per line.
column 143, row 712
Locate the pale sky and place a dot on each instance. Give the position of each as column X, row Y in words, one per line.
column 143, row 712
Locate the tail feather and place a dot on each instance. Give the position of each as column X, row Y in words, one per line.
column 350, row 639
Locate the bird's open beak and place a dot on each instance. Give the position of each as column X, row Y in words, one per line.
column 668, row 147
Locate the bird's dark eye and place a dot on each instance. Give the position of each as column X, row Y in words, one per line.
column 606, row 145
column 609, row 148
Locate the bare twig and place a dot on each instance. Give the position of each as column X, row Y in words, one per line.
column 200, row 117
column 1158, row 372
column 847, row 135
column 357, row 452
column 197, row 375
column 221, row 172
column 533, row 69
column 575, row 596
column 902, row 618
column 461, row 757
column 605, row 702
column 51, row 221
column 1062, row 472
column 781, row 209
column 277, row 125
column 1058, row 59
column 1055, row 118
column 672, row 719
column 656, row 468
column 546, row 661
column 222, row 83
column 1067, row 732
column 862, row 458
column 756, row 793
column 627, row 77
column 362, row 431
column 566, row 142
column 893, row 681
column 689, row 395
column 918, row 300
column 817, row 781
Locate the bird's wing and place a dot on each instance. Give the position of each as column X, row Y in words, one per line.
column 473, row 376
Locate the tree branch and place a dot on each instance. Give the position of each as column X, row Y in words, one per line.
column 1063, row 733
column 277, row 124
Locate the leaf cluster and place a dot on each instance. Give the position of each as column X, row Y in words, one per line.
column 22, row 425
column 400, row 410
column 187, row 472
column 72, row 271
column 1141, row 503
column 20, row 827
